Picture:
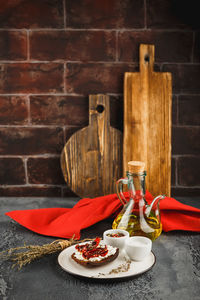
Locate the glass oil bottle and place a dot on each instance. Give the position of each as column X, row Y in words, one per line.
column 137, row 216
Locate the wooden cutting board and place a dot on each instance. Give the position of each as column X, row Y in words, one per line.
column 147, row 122
column 91, row 160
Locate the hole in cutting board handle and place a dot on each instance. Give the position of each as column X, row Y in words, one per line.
column 100, row 108
column 146, row 58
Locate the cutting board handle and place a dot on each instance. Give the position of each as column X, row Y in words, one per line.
column 99, row 109
column 147, row 58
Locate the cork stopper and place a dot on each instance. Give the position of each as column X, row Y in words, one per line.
column 136, row 166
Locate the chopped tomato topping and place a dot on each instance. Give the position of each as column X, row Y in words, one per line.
column 89, row 250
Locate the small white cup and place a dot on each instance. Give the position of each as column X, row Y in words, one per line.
column 118, row 242
column 138, row 247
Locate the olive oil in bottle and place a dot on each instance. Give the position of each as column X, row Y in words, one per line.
column 151, row 228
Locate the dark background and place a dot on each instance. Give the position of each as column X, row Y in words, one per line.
column 54, row 53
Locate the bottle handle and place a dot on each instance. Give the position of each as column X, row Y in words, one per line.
column 119, row 185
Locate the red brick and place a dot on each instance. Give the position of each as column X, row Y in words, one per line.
column 185, row 192
column 70, row 110
column 197, row 47
column 45, row 171
column 116, row 112
column 172, row 14
column 60, row 110
column 174, row 110
column 185, row 140
column 31, row 78
column 30, row 141
column 185, row 77
column 166, row 46
column 96, row 78
column 31, row 14
column 13, row 45
column 12, row 171
column 188, row 171
column 105, row 14
column 173, row 171
column 73, row 45
column 189, row 110
column 13, row 110
column 30, row 191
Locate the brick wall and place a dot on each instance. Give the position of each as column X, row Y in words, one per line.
column 54, row 53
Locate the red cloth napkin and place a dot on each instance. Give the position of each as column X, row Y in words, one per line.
column 68, row 222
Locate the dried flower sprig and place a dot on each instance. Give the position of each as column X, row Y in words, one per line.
column 21, row 256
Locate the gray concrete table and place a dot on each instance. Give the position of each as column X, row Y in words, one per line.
column 176, row 274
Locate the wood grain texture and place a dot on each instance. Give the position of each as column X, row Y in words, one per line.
column 147, row 122
column 91, row 160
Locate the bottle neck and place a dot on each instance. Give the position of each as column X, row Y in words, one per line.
column 136, row 182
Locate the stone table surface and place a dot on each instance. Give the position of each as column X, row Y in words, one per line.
column 176, row 274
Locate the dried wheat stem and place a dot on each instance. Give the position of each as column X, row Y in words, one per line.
column 26, row 254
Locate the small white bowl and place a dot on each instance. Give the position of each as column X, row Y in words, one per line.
column 118, row 242
column 138, row 247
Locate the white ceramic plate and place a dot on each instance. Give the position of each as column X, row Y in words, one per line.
column 121, row 268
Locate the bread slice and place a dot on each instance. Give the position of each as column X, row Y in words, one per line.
column 96, row 261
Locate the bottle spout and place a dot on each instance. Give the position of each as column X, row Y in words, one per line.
column 156, row 200
column 154, row 204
